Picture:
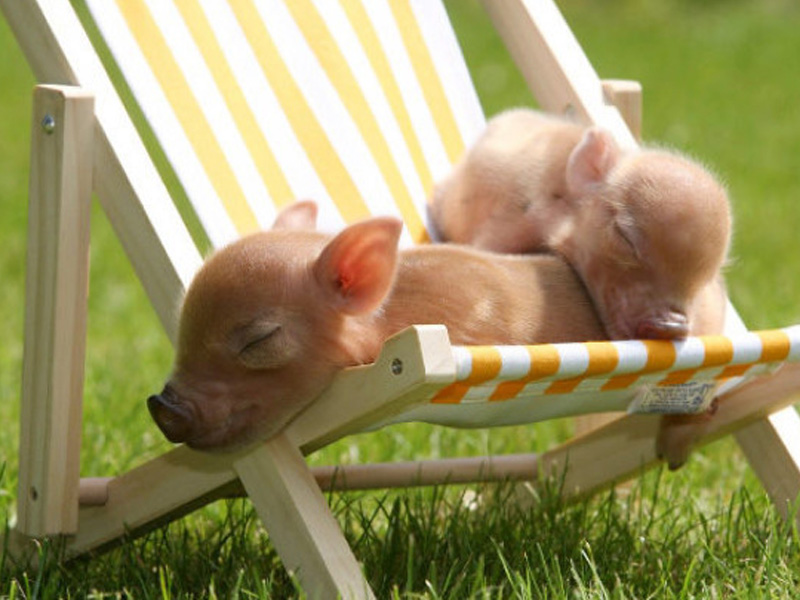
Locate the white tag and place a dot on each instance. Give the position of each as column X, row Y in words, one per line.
column 683, row 398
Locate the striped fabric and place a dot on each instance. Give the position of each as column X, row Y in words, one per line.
column 512, row 385
column 500, row 373
column 359, row 105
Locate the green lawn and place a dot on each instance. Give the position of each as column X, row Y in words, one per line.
column 721, row 83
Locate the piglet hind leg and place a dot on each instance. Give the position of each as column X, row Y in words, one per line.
column 678, row 434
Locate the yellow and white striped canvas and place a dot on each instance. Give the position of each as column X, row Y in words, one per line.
column 500, row 373
column 511, row 385
column 357, row 104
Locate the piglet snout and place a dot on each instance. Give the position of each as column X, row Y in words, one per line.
column 175, row 420
column 673, row 326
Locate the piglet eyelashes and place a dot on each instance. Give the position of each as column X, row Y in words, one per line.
column 626, row 238
column 259, row 337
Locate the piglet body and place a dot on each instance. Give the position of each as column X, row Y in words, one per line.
column 509, row 193
column 647, row 231
column 269, row 320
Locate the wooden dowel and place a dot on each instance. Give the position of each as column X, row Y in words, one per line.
column 93, row 491
column 481, row 469
column 512, row 467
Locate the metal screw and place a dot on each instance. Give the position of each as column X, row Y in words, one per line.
column 397, row 366
column 48, row 124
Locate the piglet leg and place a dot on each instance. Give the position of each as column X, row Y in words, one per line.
column 677, row 435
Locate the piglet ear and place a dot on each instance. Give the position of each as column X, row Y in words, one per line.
column 301, row 214
column 591, row 160
column 356, row 269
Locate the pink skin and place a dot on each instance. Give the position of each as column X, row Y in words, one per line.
column 269, row 320
column 646, row 231
column 649, row 236
column 678, row 434
column 509, row 192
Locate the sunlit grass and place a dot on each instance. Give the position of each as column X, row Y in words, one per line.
column 719, row 85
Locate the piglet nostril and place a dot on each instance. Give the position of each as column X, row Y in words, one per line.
column 176, row 421
column 675, row 326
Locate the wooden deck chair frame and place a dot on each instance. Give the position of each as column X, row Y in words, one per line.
column 75, row 151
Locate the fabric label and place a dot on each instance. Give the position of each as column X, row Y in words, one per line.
column 683, row 398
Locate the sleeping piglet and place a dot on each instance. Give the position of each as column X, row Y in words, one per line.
column 647, row 231
column 270, row 319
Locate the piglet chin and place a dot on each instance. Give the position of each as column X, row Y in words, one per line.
column 239, row 430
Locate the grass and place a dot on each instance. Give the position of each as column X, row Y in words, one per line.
column 719, row 85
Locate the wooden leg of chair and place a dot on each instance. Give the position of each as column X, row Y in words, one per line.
column 586, row 423
column 772, row 446
column 626, row 447
column 55, row 316
column 305, row 533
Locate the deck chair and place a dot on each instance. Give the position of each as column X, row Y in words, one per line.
column 361, row 106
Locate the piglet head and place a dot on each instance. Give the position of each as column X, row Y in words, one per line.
column 649, row 233
column 266, row 324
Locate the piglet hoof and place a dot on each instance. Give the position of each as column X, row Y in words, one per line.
column 678, row 434
column 174, row 420
column 673, row 445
